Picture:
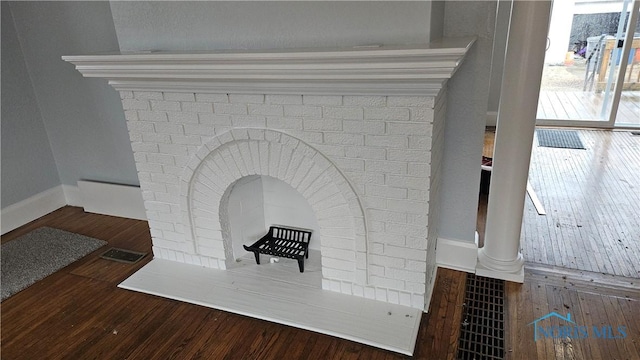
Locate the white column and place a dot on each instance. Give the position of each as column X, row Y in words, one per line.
column 500, row 257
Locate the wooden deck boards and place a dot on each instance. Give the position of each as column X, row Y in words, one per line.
column 578, row 105
column 592, row 198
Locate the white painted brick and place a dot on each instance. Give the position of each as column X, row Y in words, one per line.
column 340, row 254
column 322, row 124
column 186, row 140
column 135, row 137
column 160, row 225
column 387, row 283
column 386, row 261
column 214, row 98
column 246, row 99
column 197, row 107
column 365, row 153
column 248, row 121
column 169, row 128
column 345, row 288
column 408, row 155
column 211, row 119
column 181, row 117
column 415, row 242
column 408, row 182
column 419, row 142
column 350, row 164
column 393, row 296
column 231, row 109
column 407, row 230
column 424, row 101
column 388, row 238
column 343, row 139
column 417, row 301
column 387, row 141
column 308, row 136
column 403, row 128
column 149, row 167
column 338, row 264
column 406, row 253
column 331, row 150
column 144, row 147
column 131, row 115
column 134, row 104
column 161, row 159
column 385, row 167
column 417, row 219
column 147, row 95
column 409, row 276
column 421, row 115
column 276, row 122
column 265, row 109
column 368, row 101
column 376, row 226
column 157, row 138
column 283, row 99
column 337, row 274
column 177, row 96
column 387, row 216
column 140, row 126
column 126, row 94
column 419, row 195
column 349, row 113
column 416, row 288
column 330, row 241
column 414, row 207
column 158, row 105
column 303, row 111
column 385, row 191
column 419, row 169
column 196, row 129
column 321, row 100
column 400, row 114
column 157, row 116
column 381, row 294
column 363, row 127
column 414, row 265
column 405, row 299
column 369, row 293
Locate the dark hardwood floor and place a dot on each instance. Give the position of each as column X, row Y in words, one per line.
column 79, row 313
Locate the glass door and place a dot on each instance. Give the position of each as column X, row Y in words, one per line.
column 583, row 64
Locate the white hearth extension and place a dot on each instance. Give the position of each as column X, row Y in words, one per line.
column 358, row 133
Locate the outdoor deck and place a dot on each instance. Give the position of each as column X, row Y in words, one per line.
column 579, row 105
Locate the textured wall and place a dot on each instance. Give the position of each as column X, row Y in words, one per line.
column 466, row 117
column 83, row 117
column 28, row 167
column 262, row 25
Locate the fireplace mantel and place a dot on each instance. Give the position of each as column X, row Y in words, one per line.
column 370, row 70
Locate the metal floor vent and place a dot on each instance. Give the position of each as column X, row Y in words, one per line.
column 123, row 256
column 482, row 328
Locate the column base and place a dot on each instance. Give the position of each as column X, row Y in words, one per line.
column 498, row 269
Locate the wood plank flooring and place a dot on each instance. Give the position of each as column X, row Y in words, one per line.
column 578, row 105
column 79, row 313
column 592, row 199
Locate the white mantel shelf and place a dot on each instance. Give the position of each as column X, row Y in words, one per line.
column 409, row 70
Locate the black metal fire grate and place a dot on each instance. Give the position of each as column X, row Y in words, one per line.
column 123, row 256
column 482, row 329
column 283, row 242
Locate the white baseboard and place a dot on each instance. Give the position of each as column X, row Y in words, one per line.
column 111, row 199
column 457, row 255
column 25, row 211
column 72, row 194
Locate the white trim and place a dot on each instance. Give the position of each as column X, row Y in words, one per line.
column 72, row 194
column 457, row 255
column 429, row 291
column 32, row 208
column 492, row 118
column 112, row 199
column 414, row 70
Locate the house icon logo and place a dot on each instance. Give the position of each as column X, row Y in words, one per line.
column 568, row 328
column 549, row 315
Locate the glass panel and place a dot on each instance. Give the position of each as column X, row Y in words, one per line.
column 629, row 106
column 576, row 75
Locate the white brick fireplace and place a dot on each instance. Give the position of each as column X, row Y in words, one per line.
column 357, row 132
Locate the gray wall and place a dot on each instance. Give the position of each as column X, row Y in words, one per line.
column 83, row 117
column 255, row 25
column 84, row 120
column 466, row 117
column 28, row 167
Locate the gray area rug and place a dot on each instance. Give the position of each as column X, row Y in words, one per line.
column 35, row 255
column 566, row 139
